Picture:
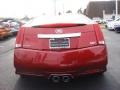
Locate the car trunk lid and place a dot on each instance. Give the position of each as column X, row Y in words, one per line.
column 59, row 36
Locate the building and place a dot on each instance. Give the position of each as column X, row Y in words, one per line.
column 102, row 9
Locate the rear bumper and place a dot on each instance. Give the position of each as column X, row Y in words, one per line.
column 76, row 62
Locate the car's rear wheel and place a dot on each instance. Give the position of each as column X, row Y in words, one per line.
column 1, row 38
column 111, row 29
column 106, row 26
column 117, row 31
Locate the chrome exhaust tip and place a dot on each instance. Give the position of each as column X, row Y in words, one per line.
column 66, row 79
column 55, row 79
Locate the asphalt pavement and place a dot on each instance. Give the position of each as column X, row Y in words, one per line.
column 109, row 81
column 7, row 44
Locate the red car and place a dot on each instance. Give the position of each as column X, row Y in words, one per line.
column 60, row 48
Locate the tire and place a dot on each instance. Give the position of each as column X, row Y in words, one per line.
column 1, row 38
column 117, row 31
column 111, row 29
column 106, row 26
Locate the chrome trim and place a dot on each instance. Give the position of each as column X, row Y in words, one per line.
column 68, row 35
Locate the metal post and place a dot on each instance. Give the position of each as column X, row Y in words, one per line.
column 116, row 9
column 104, row 14
column 63, row 8
column 55, row 7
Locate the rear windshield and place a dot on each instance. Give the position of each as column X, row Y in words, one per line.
column 59, row 21
column 58, row 25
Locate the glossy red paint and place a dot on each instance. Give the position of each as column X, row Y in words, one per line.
column 31, row 40
column 98, row 32
column 85, row 55
column 20, row 36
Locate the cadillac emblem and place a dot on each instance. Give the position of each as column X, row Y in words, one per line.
column 58, row 31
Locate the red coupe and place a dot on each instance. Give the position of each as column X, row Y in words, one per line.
column 60, row 48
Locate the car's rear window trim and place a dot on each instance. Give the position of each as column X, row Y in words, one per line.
column 58, row 25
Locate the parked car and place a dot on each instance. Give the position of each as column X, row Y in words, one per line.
column 109, row 20
column 12, row 24
column 60, row 47
column 112, row 24
column 4, row 32
column 98, row 20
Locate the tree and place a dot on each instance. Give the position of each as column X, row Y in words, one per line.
column 69, row 11
column 79, row 11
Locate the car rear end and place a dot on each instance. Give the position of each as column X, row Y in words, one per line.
column 110, row 25
column 60, row 49
column 4, row 33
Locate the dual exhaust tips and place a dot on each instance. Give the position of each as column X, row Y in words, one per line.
column 57, row 78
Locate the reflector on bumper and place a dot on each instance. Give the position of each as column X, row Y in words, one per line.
column 18, row 45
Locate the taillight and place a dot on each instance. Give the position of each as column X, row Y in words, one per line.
column 99, row 34
column 19, row 38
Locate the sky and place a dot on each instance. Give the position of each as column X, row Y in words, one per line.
column 33, row 8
